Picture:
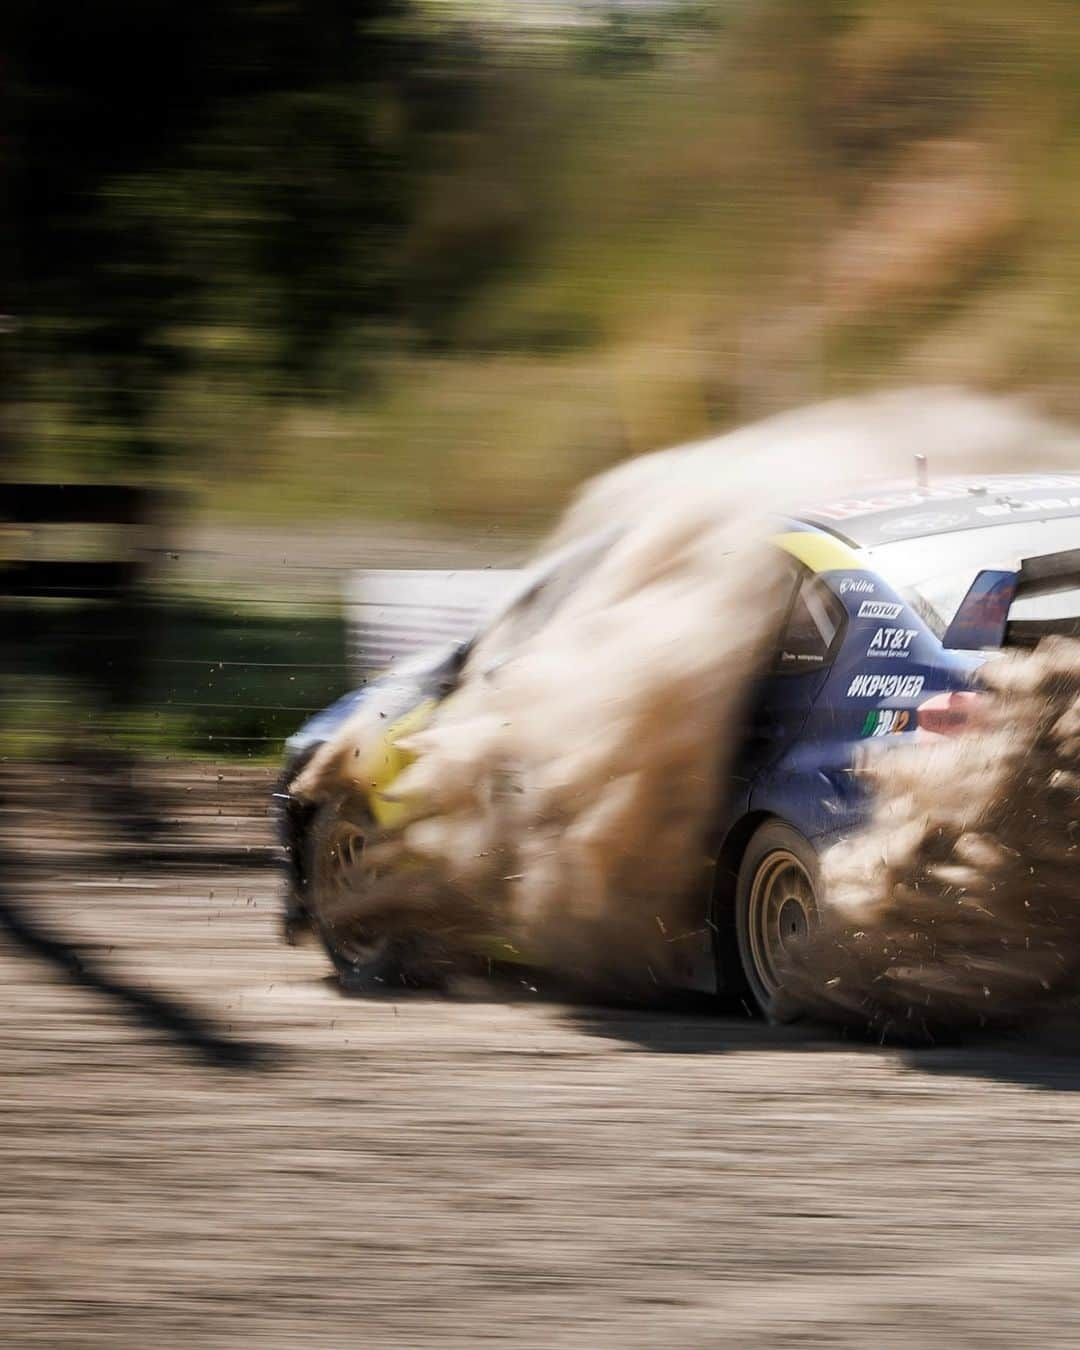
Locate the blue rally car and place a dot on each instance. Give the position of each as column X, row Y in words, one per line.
column 895, row 600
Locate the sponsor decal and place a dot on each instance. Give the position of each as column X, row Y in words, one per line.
column 807, row 658
column 926, row 522
column 856, row 586
column 1010, row 506
column 892, row 642
column 945, row 490
column 886, row 686
column 886, row 722
column 880, row 609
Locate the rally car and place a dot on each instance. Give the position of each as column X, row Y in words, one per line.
column 894, row 601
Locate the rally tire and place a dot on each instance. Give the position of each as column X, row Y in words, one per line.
column 367, row 962
column 776, row 906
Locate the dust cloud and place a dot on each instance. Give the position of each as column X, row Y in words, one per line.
column 563, row 795
column 957, row 908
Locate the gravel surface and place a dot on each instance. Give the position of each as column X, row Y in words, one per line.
column 496, row 1167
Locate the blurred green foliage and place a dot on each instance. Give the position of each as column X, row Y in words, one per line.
column 216, row 165
column 436, row 260
column 214, row 679
column 328, row 258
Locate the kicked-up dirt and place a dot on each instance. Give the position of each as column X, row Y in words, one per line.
column 204, row 1144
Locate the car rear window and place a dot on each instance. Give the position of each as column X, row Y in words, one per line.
column 545, row 588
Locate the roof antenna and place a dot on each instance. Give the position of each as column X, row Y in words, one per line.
column 922, row 473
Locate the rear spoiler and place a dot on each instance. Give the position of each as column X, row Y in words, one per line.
column 1051, row 574
column 984, row 617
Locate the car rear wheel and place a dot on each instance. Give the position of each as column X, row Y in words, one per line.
column 338, row 870
column 776, row 906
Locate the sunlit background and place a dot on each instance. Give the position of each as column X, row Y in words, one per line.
column 381, row 282
column 295, row 288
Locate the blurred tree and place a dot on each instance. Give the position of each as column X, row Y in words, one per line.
column 620, row 41
column 218, row 161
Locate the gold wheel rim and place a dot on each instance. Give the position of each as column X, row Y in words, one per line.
column 782, row 911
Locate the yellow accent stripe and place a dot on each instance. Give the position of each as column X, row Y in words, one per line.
column 389, row 759
column 819, row 552
column 501, row 950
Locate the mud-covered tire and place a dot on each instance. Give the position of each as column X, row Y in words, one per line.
column 366, row 961
column 776, row 905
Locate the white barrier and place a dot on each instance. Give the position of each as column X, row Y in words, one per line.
column 395, row 613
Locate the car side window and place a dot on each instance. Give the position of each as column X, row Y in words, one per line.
column 813, row 629
column 534, row 608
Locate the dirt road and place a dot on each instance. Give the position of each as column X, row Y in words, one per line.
column 493, row 1168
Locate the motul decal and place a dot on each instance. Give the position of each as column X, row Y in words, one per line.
column 879, row 609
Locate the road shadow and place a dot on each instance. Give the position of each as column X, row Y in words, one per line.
column 1039, row 1061
column 1044, row 1060
column 707, row 1025
column 181, row 857
column 187, row 1029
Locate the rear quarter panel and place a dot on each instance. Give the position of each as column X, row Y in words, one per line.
column 888, row 663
